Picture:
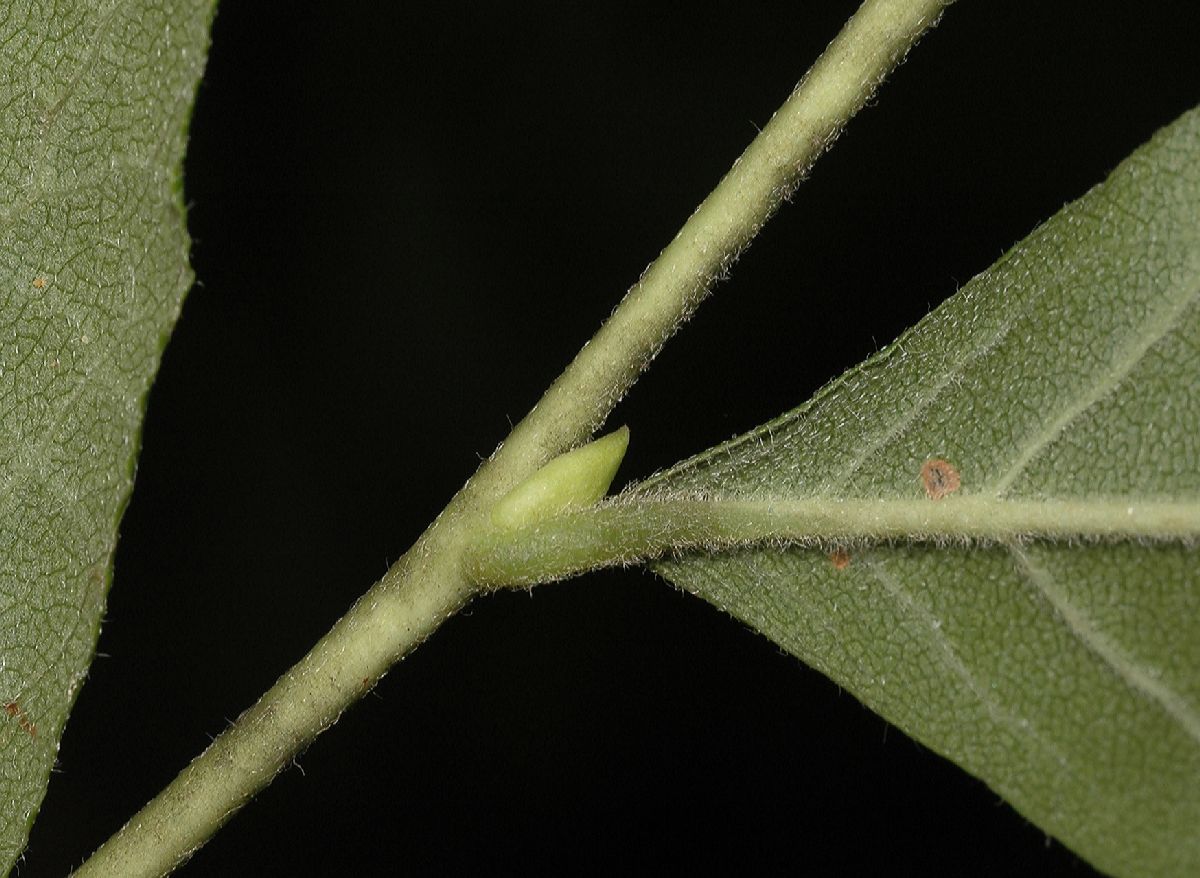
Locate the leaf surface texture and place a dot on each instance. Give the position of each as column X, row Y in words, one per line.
column 94, row 104
column 1063, row 672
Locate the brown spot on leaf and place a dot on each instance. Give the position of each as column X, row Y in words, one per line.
column 14, row 710
column 840, row 559
column 939, row 478
column 39, row 283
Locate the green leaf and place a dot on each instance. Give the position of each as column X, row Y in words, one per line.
column 1063, row 672
column 95, row 100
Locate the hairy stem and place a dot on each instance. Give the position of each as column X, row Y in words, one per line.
column 428, row 583
column 625, row 531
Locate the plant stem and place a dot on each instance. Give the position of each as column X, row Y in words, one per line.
column 624, row 531
column 428, row 583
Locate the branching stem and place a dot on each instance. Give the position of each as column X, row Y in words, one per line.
column 427, row 584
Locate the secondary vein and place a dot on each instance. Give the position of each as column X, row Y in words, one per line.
column 1143, row 679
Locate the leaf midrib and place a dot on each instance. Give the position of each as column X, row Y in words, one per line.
column 967, row 518
column 634, row 529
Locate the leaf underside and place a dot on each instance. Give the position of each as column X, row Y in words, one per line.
column 95, row 101
column 1064, row 674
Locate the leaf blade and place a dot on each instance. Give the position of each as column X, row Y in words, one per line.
column 93, row 270
column 1031, row 381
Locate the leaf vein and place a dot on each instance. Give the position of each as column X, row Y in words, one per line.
column 925, row 398
column 1156, row 325
column 935, row 633
column 1142, row 679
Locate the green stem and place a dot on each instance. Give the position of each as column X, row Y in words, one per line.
column 628, row 531
column 427, row 584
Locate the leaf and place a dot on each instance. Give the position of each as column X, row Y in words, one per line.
column 1066, row 674
column 93, row 270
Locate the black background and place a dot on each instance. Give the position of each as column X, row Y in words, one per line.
column 407, row 219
